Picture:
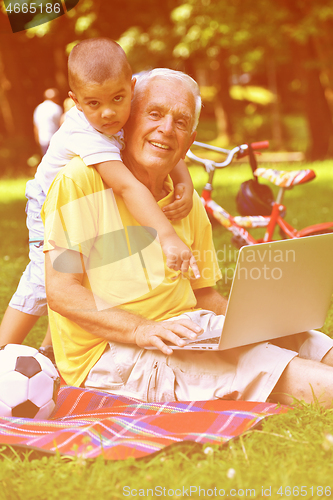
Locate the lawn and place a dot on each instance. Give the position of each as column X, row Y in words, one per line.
column 292, row 455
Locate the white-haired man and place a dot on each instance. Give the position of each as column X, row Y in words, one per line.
column 110, row 294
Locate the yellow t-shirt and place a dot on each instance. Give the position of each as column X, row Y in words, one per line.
column 124, row 263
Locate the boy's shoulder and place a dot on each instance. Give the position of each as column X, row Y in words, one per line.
column 76, row 116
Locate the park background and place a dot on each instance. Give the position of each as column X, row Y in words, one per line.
column 265, row 72
column 265, row 68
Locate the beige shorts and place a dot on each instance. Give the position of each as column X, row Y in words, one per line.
column 244, row 373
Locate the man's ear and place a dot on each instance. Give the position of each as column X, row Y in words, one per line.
column 133, row 82
column 190, row 142
column 74, row 98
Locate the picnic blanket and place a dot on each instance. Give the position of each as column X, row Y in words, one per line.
column 90, row 423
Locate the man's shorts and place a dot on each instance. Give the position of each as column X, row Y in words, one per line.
column 30, row 296
column 247, row 373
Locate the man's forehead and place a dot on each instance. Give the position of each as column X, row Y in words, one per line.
column 175, row 108
column 169, row 94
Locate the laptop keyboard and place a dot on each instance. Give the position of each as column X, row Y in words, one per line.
column 213, row 340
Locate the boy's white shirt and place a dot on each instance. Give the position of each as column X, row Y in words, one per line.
column 76, row 137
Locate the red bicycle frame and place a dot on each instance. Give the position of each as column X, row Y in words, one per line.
column 238, row 225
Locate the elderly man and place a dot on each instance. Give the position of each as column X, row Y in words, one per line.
column 110, row 294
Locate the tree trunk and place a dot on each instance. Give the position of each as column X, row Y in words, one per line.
column 18, row 97
column 223, row 102
column 5, row 108
column 275, row 108
column 61, row 70
column 317, row 110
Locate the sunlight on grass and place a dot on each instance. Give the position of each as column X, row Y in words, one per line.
column 12, row 189
column 290, row 450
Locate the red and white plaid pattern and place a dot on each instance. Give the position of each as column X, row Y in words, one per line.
column 88, row 423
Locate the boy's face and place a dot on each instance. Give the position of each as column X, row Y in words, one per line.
column 106, row 106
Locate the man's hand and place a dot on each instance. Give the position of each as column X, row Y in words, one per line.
column 182, row 205
column 154, row 333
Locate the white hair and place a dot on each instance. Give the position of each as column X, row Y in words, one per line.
column 142, row 80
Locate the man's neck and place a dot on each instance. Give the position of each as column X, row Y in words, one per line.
column 154, row 183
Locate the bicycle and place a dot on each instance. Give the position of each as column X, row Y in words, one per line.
column 270, row 211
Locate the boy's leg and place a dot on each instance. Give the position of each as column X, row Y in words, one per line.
column 29, row 301
column 47, row 339
column 15, row 326
column 46, row 347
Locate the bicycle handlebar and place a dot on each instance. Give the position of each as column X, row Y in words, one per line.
column 241, row 151
column 260, row 145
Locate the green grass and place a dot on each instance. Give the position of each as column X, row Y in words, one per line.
column 291, row 450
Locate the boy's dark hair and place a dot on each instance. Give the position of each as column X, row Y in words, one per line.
column 96, row 60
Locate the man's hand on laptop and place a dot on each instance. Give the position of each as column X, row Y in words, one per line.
column 154, row 334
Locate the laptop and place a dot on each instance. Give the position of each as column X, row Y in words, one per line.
column 278, row 289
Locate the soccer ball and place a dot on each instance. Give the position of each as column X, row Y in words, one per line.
column 29, row 383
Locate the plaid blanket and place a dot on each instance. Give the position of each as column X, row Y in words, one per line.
column 88, row 423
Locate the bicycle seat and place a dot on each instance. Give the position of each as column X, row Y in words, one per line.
column 284, row 178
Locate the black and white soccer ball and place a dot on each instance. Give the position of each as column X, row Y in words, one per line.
column 29, row 383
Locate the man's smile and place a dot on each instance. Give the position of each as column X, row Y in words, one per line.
column 159, row 145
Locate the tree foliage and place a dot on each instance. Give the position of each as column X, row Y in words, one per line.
column 284, row 46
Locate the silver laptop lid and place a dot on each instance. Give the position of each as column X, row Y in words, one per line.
column 279, row 289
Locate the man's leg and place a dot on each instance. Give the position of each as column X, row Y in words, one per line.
column 328, row 358
column 306, row 380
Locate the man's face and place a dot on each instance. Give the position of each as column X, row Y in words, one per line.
column 106, row 106
column 159, row 131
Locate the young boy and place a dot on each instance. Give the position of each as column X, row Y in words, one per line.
column 101, row 85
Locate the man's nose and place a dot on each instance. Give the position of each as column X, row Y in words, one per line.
column 167, row 125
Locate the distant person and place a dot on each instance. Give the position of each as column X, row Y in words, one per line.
column 67, row 105
column 101, row 81
column 47, row 118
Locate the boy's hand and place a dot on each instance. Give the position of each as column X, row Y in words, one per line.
column 182, row 205
column 179, row 256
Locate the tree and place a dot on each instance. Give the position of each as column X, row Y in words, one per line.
column 300, row 31
column 308, row 26
column 272, row 42
column 229, row 39
column 36, row 59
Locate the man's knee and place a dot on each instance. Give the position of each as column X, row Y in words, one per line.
column 305, row 380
